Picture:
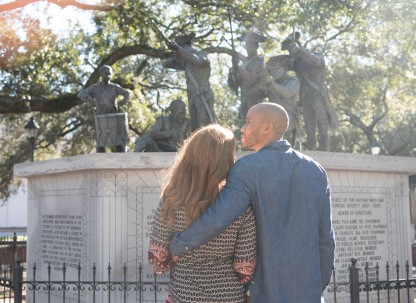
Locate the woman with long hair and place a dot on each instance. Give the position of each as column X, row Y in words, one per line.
column 217, row 270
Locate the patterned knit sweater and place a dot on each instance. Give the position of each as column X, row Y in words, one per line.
column 214, row 272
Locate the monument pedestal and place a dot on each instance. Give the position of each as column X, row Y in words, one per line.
column 94, row 211
column 97, row 209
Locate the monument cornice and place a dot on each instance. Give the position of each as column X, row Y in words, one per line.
column 143, row 161
column 364, row 162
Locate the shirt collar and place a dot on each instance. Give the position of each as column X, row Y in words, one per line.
column 279, row 145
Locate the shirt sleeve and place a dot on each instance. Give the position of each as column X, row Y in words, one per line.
column 326, row 240
column 159, row 255
column 231, row 202
column 87, row 94
column 245, row 254
column 288, row 90
column 316, row 59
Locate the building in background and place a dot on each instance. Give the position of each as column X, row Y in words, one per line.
column 13, row 212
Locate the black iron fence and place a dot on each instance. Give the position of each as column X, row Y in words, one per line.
column 11, row 283
column 394, row 288
column 12, row 247
column 14, row 288
column 364, row 285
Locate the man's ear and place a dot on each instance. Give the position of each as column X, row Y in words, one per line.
column 268, row 128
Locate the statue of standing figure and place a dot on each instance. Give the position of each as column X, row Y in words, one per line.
column 111, row 125
column 168, row 132
column 315, row 101
column 197, row 69
column 283, row 89
column 250, row 75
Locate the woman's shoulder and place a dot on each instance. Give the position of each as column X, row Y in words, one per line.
column 246, row 217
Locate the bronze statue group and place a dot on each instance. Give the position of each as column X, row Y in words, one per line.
column 302, row 94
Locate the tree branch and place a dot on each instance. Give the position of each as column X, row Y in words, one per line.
column 376, row 119
column 59, row 104
column 126, row 51
column 141, row 49
column 344, row 30
column 83, row 6
column 62, row 3
column 64, row 102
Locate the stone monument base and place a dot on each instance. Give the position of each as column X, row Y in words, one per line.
column 97, row 210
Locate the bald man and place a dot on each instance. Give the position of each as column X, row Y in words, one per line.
column 290, row 195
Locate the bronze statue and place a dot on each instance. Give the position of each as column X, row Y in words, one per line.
column 197, row 69
column 284, row 90
column 249, row 75
column 314, row 96
column 111, row 125
column 168, row 131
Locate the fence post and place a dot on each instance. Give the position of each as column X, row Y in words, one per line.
column 14, row 248
column 18, row 282
column 354, row 282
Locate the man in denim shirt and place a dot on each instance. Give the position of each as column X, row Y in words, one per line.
column 290, row 195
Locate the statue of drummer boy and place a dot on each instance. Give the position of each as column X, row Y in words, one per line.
column 111, row 125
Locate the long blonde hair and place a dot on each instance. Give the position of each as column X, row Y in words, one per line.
column 199, row 172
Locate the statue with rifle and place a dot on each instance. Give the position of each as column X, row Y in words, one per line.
column 318, row 111
column 250, row 75
column 197, row 69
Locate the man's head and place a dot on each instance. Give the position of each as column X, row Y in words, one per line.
column 105, row 73
column 251, row 41
column 265, row 123
column 278, row 66
column 292, row 38
column 183, row 40
column 177, row 110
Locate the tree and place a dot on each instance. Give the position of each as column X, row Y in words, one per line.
column 373, row 80
column 372, row 84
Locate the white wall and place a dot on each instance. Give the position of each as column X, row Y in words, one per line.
column 13, row 213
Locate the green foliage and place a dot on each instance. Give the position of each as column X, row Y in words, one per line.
column 372, row 79
column 369, row 48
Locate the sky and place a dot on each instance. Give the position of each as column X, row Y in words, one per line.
column 57, row 18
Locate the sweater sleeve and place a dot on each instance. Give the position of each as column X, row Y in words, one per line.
column 159, row 255
column 245, row 253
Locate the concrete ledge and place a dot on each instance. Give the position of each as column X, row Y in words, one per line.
column 363, row 162
column 143, row 161
column 96, row 161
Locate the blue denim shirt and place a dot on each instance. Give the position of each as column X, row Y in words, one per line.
column 291, row 199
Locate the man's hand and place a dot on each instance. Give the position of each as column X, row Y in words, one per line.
column 175, row 258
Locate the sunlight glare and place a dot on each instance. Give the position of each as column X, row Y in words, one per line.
column 59, row 20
